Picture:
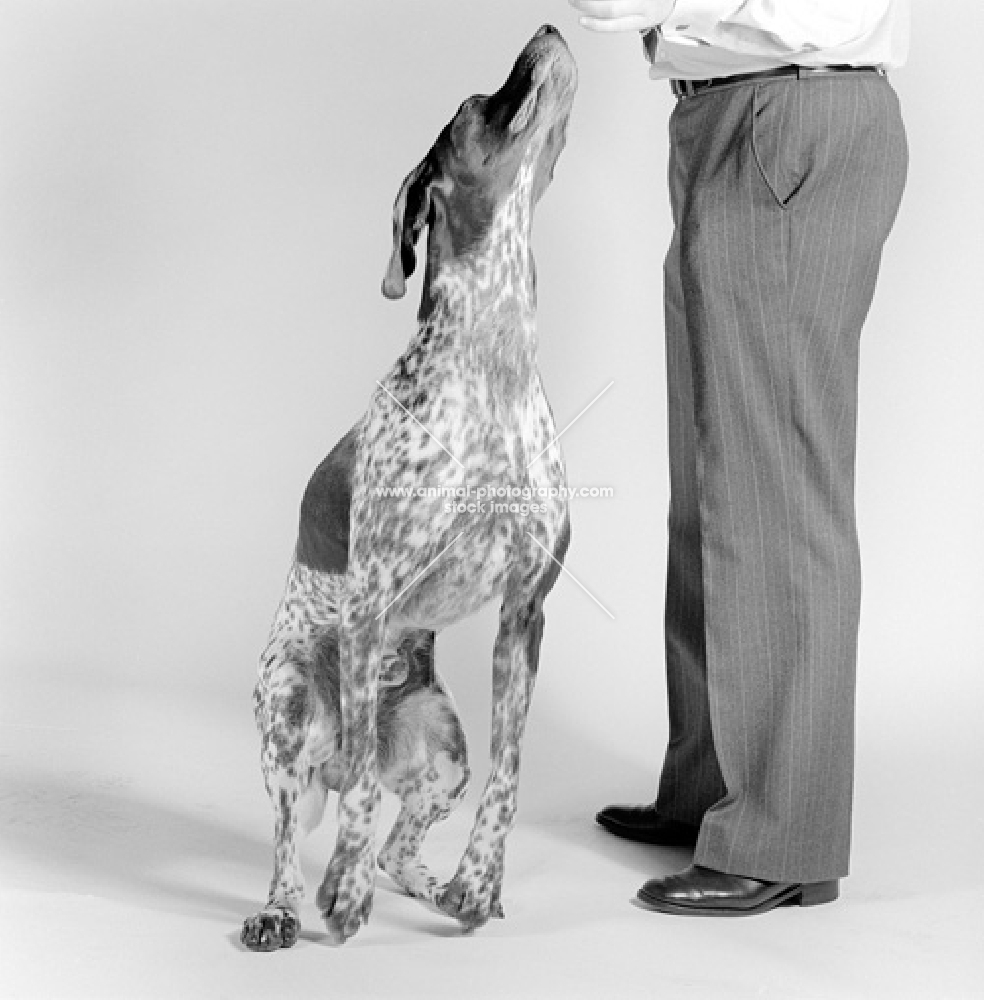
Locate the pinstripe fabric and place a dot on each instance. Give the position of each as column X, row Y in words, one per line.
column 783, row 193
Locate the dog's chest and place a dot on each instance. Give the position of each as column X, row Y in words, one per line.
column 461, row 442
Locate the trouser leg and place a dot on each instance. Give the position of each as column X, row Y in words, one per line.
column 783, row 195
column 691, row 780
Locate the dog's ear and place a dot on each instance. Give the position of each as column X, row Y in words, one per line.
column 410, row 214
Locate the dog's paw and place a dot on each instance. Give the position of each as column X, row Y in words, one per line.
column 414, row 878
column 345, row 897
column 470, row 904
column 270, row 929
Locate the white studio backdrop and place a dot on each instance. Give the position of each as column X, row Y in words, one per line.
column 195, row 206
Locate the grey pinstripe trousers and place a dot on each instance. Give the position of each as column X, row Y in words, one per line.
column 783, row 193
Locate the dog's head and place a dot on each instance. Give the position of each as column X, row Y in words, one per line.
column 473, row 166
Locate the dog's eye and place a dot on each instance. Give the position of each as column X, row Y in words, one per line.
column 465, row 124
column 467, row 113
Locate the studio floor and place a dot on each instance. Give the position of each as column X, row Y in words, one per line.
column 129, row 856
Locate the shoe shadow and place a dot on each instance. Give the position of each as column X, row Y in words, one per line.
column 646, row 860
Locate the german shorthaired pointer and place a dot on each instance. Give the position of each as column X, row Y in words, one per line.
column 348, row 697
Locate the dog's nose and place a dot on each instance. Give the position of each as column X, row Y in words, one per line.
column 547, row 29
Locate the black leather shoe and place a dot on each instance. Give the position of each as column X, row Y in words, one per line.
column 704, row 892
column 640, row 823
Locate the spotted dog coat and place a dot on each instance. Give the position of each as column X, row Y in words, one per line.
column 348, row 698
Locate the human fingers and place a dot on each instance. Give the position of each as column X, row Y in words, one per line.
column 620, row 15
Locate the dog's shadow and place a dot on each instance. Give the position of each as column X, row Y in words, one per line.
column 83, row 831
column 82, row 834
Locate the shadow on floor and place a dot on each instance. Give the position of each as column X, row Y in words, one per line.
column 85, row 831
column 82, row 834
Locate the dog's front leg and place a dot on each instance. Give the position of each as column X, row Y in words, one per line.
column 345, row 896
column 472, row 896
column 285, row 703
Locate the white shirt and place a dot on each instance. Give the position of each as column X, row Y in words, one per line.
column 708, row 38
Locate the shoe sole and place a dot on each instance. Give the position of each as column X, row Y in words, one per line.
column 810, row 894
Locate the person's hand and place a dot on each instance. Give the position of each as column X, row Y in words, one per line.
column 622, row 15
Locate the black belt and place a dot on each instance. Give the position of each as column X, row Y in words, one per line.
column 690, row 88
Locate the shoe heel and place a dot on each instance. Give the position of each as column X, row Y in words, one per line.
column 815, row 893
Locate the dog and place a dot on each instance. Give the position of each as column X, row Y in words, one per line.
column 348, row 698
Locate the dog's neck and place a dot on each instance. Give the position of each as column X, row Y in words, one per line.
column 487, row 297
